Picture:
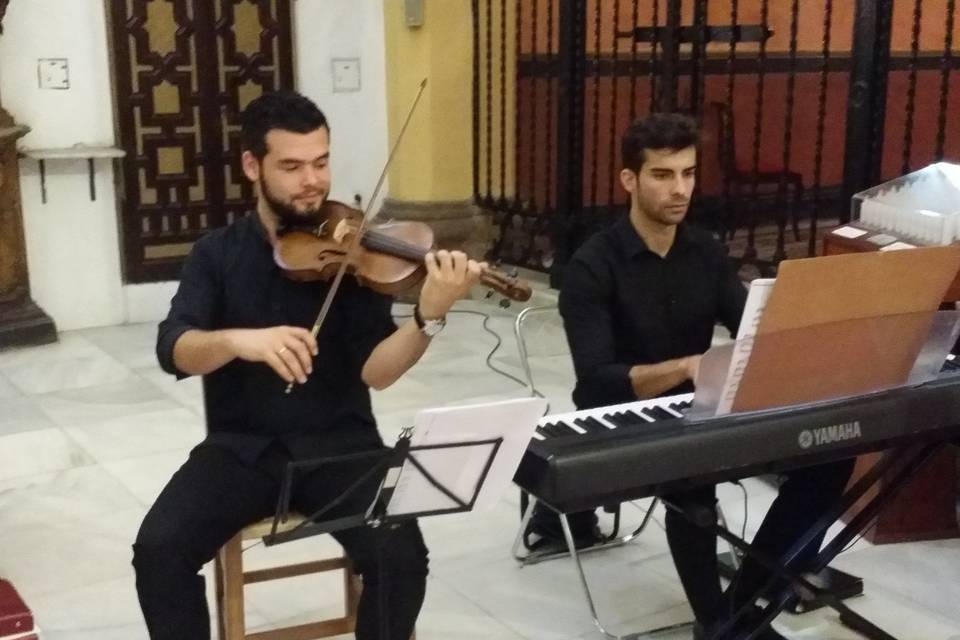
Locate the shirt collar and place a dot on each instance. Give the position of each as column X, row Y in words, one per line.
column 633, row 245
column 259, row 230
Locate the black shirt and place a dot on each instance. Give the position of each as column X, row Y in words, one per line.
column 623, row 305
column 231, row 281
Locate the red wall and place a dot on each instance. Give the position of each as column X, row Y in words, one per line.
column 536, row 175
column 532, row 160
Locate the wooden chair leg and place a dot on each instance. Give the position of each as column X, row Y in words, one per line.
column 230, row 560
column 218, row 586
column 228, row 571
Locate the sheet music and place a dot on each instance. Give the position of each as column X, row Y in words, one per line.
column 459, row 469
column 757, row 298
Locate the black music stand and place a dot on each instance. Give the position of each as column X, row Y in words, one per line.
column 467, row 456
column 388, row 465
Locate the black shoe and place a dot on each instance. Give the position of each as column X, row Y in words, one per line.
column 544, row 544
column 550, row 543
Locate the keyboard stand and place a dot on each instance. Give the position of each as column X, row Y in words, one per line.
column 839, row 583
column 898, row 466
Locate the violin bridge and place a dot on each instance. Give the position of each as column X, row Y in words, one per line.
column 341, row 231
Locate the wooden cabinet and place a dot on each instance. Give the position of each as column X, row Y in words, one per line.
column 834, row 244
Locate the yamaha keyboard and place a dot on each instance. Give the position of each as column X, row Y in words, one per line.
column 585, row 459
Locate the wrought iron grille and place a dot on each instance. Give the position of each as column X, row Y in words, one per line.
column 184, row 70
column 801, row 104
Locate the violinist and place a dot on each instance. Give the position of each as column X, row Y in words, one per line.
column 239, row 322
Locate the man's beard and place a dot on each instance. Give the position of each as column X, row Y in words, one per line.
column 668, row 214
column 287, row 215
column 661, row 214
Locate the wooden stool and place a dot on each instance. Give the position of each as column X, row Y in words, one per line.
column 230, row 578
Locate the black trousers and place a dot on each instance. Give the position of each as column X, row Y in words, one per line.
column 215, row 494
column 804, row 497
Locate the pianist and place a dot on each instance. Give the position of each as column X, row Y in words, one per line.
column 639, row 303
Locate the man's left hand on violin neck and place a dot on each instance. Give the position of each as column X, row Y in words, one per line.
column 450, row 274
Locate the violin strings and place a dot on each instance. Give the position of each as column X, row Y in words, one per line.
column 378, row 240
column 403, row 249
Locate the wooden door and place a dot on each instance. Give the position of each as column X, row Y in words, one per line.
column 184, row 70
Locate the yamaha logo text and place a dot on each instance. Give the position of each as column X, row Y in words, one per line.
column 827, row 435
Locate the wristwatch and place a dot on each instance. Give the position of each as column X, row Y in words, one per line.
column 430, row 327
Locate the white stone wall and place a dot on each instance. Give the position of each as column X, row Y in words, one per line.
column 328, row 29
column 73, row 244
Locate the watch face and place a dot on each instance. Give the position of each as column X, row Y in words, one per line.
column 432, row 327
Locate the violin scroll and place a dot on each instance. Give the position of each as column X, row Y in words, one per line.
column 506, row 285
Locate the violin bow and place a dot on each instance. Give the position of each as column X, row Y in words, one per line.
column 354, row 243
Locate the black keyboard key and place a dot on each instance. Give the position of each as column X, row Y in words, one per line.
column 628, row 418
column 552, row 431
column 611, row 418
column 661, row 413
column 599, row 425
column 650, row 414
column 632, row 419
column 546, row 433
column 590, row 425
column 563, row 429
column 616, row 419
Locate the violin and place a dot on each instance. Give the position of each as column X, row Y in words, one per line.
column 388, row 257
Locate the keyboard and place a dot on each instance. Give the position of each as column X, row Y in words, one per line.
column 584, row 459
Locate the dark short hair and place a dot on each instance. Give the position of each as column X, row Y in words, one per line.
column 673, row 131
column 286, row 110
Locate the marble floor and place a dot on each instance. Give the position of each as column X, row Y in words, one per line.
column 91, row 429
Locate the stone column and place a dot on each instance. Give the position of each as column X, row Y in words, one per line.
column 22, row 322
column 431, row 179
